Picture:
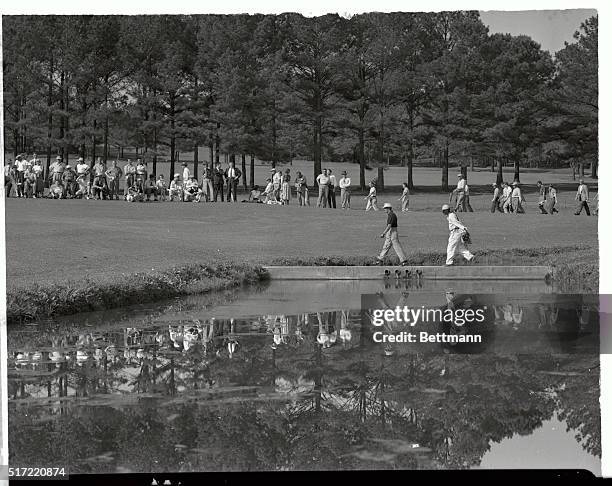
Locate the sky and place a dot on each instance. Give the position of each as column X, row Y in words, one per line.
column 551, row 28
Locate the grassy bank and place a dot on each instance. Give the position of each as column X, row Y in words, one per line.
column 48, row 300
column 576, row 270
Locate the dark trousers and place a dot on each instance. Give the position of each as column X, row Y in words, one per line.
column 20, row 182
column 218, row 190
column 8, row 185
column 129, row 182
column 495, row 206
column 231, row 191
column 580, row 205
column 331, row 197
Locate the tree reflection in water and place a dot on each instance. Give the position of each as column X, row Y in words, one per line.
column 308, row 391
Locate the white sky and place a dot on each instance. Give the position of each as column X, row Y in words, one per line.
column 551, row 28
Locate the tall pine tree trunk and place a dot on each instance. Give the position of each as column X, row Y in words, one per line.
column 517, row 170
column 594, row 169
column 244, row 176
column 195, row 160
column 409, row 162
column 500, row 170
column 211, row 153
column 62, row 131
column 361, row 155
column 445, row 167
column 217, row 144
column 49, row 120
column 252, row 174
column 93, row 151
column 172, row 137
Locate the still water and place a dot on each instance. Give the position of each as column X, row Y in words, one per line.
column 288, row 377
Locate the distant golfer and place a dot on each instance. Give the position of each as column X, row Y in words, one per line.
column 582, row 199
column 456, row 229
column 391, row 238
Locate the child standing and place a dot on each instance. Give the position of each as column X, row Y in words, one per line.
column 285, row 191
column 405, row 198
column 371, row 198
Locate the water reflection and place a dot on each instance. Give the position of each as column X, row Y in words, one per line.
column 303, row 390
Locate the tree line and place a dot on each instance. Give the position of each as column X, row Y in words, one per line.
column 375, row 89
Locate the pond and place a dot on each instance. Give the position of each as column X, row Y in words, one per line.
column 288, row 376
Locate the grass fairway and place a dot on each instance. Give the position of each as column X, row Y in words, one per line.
column 52, row 241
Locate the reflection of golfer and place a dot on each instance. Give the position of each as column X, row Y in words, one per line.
column 391, row 238
column 455, row 238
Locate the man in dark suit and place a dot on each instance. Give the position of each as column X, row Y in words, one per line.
column 218, row 179
column 232, row 175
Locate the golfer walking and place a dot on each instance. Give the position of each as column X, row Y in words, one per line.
column 391, row 238
column 456, row 229
column 582, row 199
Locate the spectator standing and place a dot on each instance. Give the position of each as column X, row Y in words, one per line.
column 405, row 198
column 345, row 190
column 300, row 188
column 218, row 180
column 371, row 198
column 113, row 175
column 333, row 184
column 286, row 190
column 130, row 175
column 232, row 175
column 323, row 182
column 517, row 198
column 582, row 199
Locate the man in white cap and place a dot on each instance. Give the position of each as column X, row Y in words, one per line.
column 456, row 229
column 582, row 199
column 391, row 237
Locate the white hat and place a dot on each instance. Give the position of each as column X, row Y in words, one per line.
column 80, row 159
column 387, row 206
column 445, row 207
column 58, row 158
column 177, row 175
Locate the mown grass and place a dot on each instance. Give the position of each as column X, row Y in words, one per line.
column 48, row 300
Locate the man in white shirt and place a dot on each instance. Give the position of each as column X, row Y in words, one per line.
column 466, row 199
column 130, row 175
column 459, row 193
column 22, row 166
column 38, row 171
column 277, row 180
column 582, row 198
column 345, row 191
column 506, row 198
column 323, row 182
column 186, row 173
column 232, row 175
column 517, row 198
column 456, row 229
column 56, row 170
column 331, row 195
column 82, row 168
